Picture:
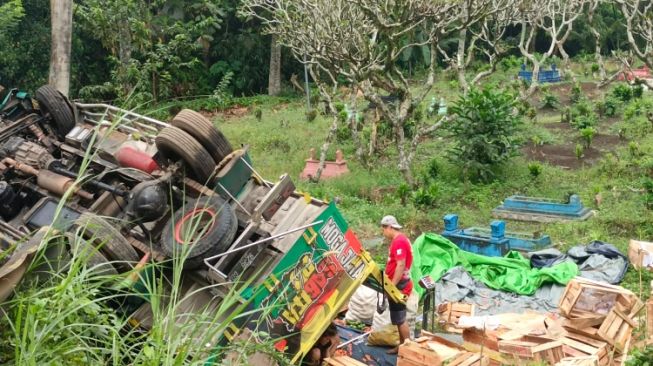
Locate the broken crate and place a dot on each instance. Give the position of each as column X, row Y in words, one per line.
column 450, row 313
column 432, row 350
column 533, row 349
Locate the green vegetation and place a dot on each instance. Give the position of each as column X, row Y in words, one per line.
column 485, row 130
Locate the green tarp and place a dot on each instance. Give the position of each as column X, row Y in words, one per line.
column 434, row 255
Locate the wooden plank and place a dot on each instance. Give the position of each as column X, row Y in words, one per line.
column 343, row 361
column 584, row 322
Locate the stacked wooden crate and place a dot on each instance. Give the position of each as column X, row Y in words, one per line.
column 431, row 350
column 449, row 314
column 599, row 320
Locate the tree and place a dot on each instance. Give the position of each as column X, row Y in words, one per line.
column 10, row 14
column 361, row 41
column 482, row 27
column 639, row 28
column 485, row 130
column 555, row 18
column 592, row 22
column 274, row 79
column 62, row 27
column 156, row 46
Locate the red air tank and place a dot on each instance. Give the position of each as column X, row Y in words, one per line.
column 128, row 156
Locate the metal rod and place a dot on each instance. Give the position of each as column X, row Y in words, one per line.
column 123, row 111
column 11, row 230
column 255, row 172
column 206, row 260
column 234, row 198
column 354, row 339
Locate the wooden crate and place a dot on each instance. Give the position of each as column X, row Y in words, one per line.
column 412, row 353
column 469, row 359
column 579, row 361
column 579, row 345
column 583, row 296
column 450, row 314
column 342, row 361
column 617, row 329
column 533, row 349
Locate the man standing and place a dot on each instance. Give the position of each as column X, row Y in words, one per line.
column 400, row 258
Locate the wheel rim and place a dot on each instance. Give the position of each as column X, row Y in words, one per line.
column 195, row 225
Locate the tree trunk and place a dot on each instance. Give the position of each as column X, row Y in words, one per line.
column 325, row 149
column 274, row 79
column 62, row 26
column 461, row 61
column 374, row 133
column 124, row 56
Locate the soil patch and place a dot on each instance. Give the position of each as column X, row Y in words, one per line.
column 563, row 155
column 558, row 126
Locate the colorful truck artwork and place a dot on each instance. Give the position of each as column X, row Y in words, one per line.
column 310, row 285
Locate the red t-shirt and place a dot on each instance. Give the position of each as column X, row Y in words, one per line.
column 400, row 249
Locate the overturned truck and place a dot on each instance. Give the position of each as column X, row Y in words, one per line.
column 175, row 192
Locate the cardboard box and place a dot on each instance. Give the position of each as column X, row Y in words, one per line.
column 640, row 254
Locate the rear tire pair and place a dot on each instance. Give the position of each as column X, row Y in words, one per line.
column 193, row 139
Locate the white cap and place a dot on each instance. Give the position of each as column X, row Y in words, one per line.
column 391, row 221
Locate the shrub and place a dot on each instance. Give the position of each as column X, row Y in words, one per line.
column 426, row 197
column 623, row 92
column 610, row 105
column 535, row 169
column 579, row 151
column 587, row 134
column 595, row 67
column 582, row 115
column 510, row 62
column 576, row 93
column 637, row 108
column 403, row 192
column 276, row 143
column 550, row 101
column 583, row 122
column 258, row 113
column 566, row 115
column 432, row 170
column 311, row 115
column 485, row 130
column 638, row 91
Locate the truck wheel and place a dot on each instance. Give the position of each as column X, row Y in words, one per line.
column 52, row 102
column 108, row 239
column 207, row 225
column 174, row 144
column 204, row 132
column 96, row 262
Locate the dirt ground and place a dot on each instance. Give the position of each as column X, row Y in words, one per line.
column 564, row 154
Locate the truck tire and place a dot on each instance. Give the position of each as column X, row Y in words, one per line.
column 210, row 218
column 52, row 102
column 175, row 143
column 95, row 261
column 109, row 240
column 204, row 132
